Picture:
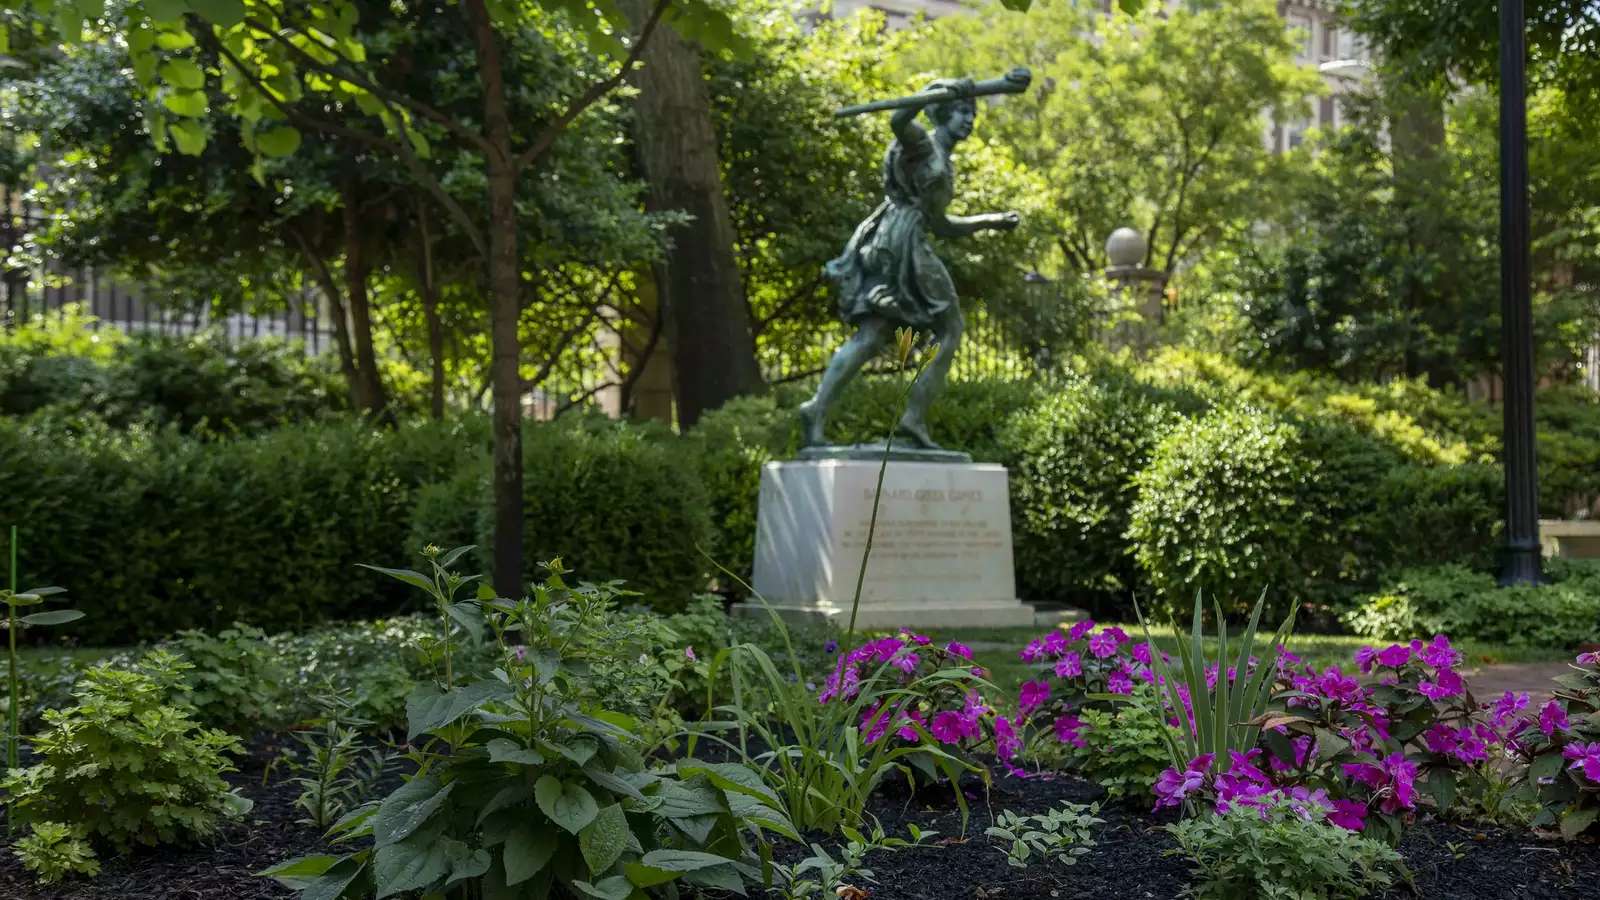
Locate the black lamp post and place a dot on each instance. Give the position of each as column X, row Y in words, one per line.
column 1522, row 552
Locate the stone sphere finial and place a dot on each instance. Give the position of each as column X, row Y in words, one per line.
column 1125, row 248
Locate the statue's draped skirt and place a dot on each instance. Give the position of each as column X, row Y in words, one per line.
column 888, row 269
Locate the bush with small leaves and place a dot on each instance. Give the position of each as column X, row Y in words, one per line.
column 126, row 765
column 234, row 681
column 821, row 877
column 1124, row 748
column 55, row 850
column 1285, row 849
column 335, row 767
column 1061, row 835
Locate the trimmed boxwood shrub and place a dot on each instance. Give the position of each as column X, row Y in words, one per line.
column 1467, row 604
column 156, row 533
column 618, row 501
column 1074, row 458
column 1218, row 509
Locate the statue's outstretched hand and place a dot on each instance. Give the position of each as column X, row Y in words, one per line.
column 1006, row 221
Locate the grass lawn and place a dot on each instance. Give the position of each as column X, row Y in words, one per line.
column 996, row 649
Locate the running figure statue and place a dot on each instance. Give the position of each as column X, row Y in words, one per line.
column 888, row 276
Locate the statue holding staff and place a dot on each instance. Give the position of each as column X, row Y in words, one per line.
column 888, row 276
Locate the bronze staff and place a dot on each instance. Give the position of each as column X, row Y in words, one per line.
column 1013, row 82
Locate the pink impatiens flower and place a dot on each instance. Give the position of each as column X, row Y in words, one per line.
column 1069, row 730
column 1553, row 718
column 1070, row 665
column 951, row 727
column 1118, row 682
column 1445, row 684
column 1103, row 644
column 1172, row 786
column 1439, row 654
column 1034, row 695
column 1507, row 707
column 1079, row 629
column 1141, row 652
column 1394, row 656
column 1055, row 644
column 1585, row 757
column 1006, row 743
column 1393, row 779
column 1589, row 659
column 956, row 648
column 1365, row 657
column 1348, row 814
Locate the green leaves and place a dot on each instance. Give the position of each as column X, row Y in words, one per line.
column 407, row 809
column 429, row 709
column 567, row 805
column 280, row 141
column 1576, row 820
column 528, row 849
column 190, row 104
column 602, row 841
column 183, row 74
column 52, row 617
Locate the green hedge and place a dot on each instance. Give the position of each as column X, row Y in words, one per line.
column 154, row 533
column 616, row 501
column 1467, row 604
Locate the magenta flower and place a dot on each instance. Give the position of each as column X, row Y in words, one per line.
column 1553, row 718
column 1365, row 658
column 907, row 663
column 1172, row 786
column 1445, row 684
column 1032, row 652
column 1079, row 629
column 1034, row 695
column 1070, row 665
column 1589, row 659
column 1055, row 643
column 688, row 652
column 1006, row 743
column 1507, row 707
column 1337, row 686
column 1348, row 814
column 1439, row 653
column 951, row 727
column 1441, row 738
column 956, row 648
column 1118, row 682
column 874, row 723
column 1393, row 779
column 1117, row 634
column 1585, row 757
column 1141, row 652
column 974, row 706
column 1394, row 656
column 1069, row 730
column 1103, row 644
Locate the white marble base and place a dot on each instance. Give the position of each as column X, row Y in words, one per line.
column 941, row 551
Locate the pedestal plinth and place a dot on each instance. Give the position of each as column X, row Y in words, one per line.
column 941, row 552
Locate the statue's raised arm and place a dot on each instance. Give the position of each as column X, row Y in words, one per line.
column 888, row 276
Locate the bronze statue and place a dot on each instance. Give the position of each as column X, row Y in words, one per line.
column 888, row 276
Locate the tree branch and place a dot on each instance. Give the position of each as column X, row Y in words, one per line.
column 593, row 93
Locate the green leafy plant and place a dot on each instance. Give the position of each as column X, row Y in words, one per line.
column 126, row 765
column 16, row 600
column 526, row 786
column 1217, row 715
column 1282, row 850
column 1060, row 835
column 336, row 768
column 55, row 850
column 1124, row 748
column 820, row 876
column 234, row 682
column 818, row 757
column 1467, row 604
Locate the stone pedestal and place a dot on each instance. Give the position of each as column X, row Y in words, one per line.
column 941, row 552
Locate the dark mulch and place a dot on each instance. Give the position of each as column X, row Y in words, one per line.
column 1449, row 861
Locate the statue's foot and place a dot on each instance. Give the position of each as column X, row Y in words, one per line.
column 811, row 425
column 916, row 432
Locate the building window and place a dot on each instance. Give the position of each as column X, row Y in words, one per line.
column 1302, row 32
column 1325, row 113
column 1330, row 41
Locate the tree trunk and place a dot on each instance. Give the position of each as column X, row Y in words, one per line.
column 430, row 313
column 323, row 276
column 505, row 307
column 370, row 396
column 701, row 289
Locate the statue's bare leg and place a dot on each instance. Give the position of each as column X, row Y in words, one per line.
column 947, row 333
column 847, row 361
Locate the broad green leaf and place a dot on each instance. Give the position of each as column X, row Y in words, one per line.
column 465, row 863
column 280, row 141
column 567, row 805
column 52, row 617
column 189, row 135
column 191, row 104
column 166, row 10
column 428, row 708
column 45, row 591
column 299, row 872
column 684, row 799
column 330, row 885
column 528, row 849
column 1545, row 766
column 508, row 796
column 450, row 557
column 602, row 841
column 407, row 809
column 682, row 860
column 507, row 750
column 183, row 73
column 415, row 579
column 1575, row 821
column 614, row 888
column 411, row 865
